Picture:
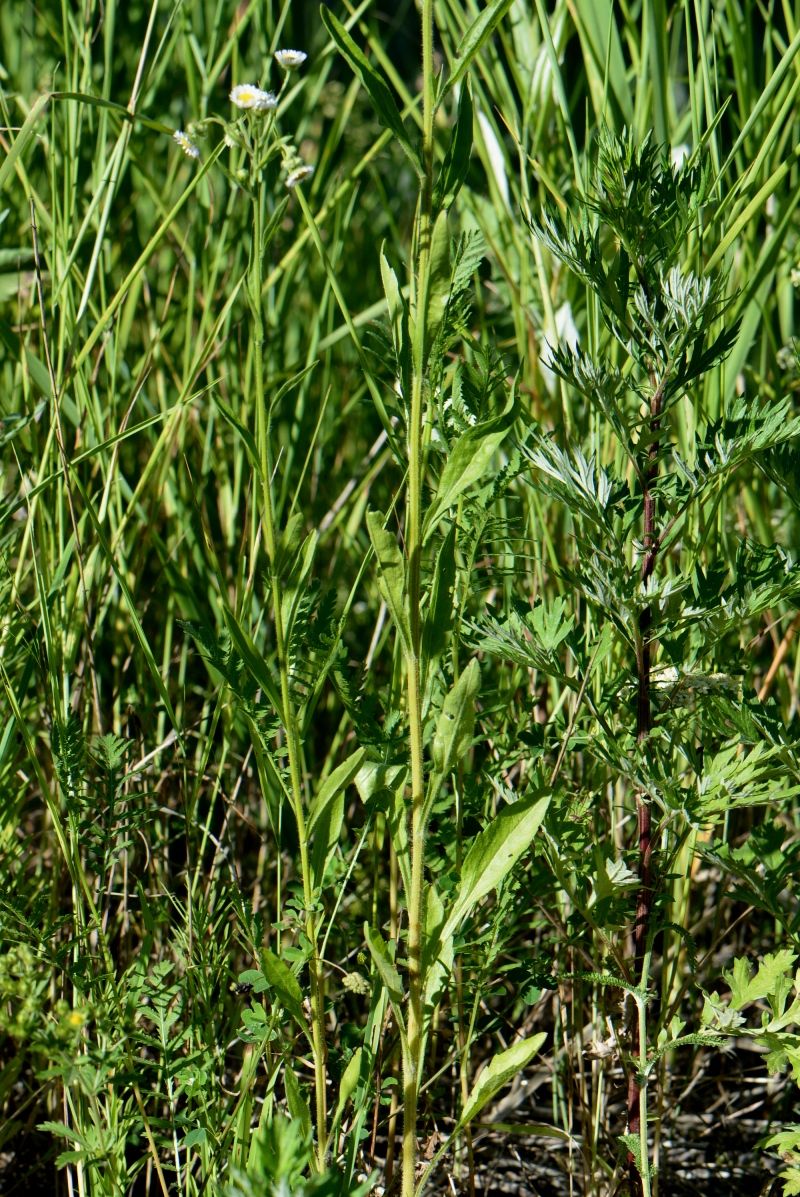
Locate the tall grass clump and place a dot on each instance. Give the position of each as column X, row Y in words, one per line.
column 398, row 523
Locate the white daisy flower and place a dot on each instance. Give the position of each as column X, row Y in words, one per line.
column 188, row 146
column 299, row 175
column 290, row 60
column 247, row 95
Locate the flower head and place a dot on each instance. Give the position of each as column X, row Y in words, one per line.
column 247, row 95
column 299, row 175
column 188, row 146
column 290, row 60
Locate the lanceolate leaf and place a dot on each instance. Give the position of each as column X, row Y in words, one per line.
column 493, row 855
column 285, row 985
column 439, row 615
column 475, row 36
column 350, row 1078
column 341, row 777
column 468, row 460
column 386, row 971
column 391, row 574
column 374, row 83
column 456, row 723
column 498, row 1072
column 456, row 160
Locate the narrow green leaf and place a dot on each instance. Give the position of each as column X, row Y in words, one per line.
column 296, row 1100
column 438, row 954
column 494, row 853
column 468, row 460
column 476, row 35
column 439, row 616
column 456, row 160
column 252, row 658
column 21, row 141
column 399, row 321
column 439, row 279
column 243, row 433
column 391, row 574
column 501, row 1069
column 603, row 55
column 350, row 1078
column 374, row 83
column 384, row 964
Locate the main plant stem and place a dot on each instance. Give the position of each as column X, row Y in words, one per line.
column 637, row 1096
column 287, row 713
column 412, row 1057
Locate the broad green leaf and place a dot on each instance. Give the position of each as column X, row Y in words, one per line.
column 456, row 160
column 374, row 83
column 285, row 985
column 501, row 1069
column 196, row 1138
column 468, row 461
column 493, row 855
column 334, row 784
column 328, row 829
column 391, row 574
column 476, row 35
column 373, row 777
column 456, row 723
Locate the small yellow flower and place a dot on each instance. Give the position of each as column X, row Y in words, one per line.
column 186, row 144
column 290, row 60
column 247, row 95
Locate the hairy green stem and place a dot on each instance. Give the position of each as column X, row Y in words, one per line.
column 288, row 713
column 412, row 1057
